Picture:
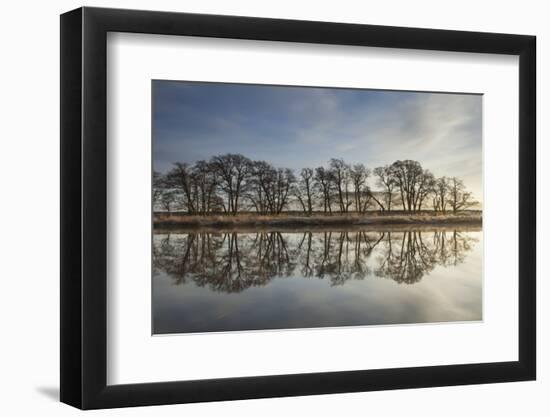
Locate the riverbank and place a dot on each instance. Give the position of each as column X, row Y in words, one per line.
column 472, row 218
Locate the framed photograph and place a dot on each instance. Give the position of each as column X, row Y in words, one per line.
column 257, row 208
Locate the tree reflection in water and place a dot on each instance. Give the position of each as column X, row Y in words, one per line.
column 233, row 261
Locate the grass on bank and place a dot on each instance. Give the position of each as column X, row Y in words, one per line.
column 316, row 219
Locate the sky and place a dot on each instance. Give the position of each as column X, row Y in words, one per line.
column 297, row 127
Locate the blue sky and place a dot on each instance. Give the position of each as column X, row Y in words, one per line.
column 298, row 127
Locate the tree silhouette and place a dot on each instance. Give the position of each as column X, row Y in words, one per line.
column 234, row 184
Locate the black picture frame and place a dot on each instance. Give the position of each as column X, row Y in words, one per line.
column 84, row 207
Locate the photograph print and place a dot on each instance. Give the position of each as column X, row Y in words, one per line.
column 293, row 207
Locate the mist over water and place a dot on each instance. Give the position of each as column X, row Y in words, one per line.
column 207, row 281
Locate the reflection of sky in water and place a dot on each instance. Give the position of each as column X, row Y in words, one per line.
column 443, row 293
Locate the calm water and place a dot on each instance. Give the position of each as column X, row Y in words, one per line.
column 204, row 281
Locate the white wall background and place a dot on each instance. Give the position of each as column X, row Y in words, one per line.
column 29, row 175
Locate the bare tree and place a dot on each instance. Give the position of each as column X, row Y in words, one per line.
column 269, row 188
column 459, row 198
column 304, row 190
column 441, row 190
column 262, row 175
column 424, row 187
column 324, row 183
column 205, row 181
column 180, row 179
column 283, row 185
column 233, row 171
column 407, row 175
column 387, row 182
column 359, row 175
column 341, row 177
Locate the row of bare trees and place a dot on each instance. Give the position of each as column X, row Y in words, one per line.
column 233, row 183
